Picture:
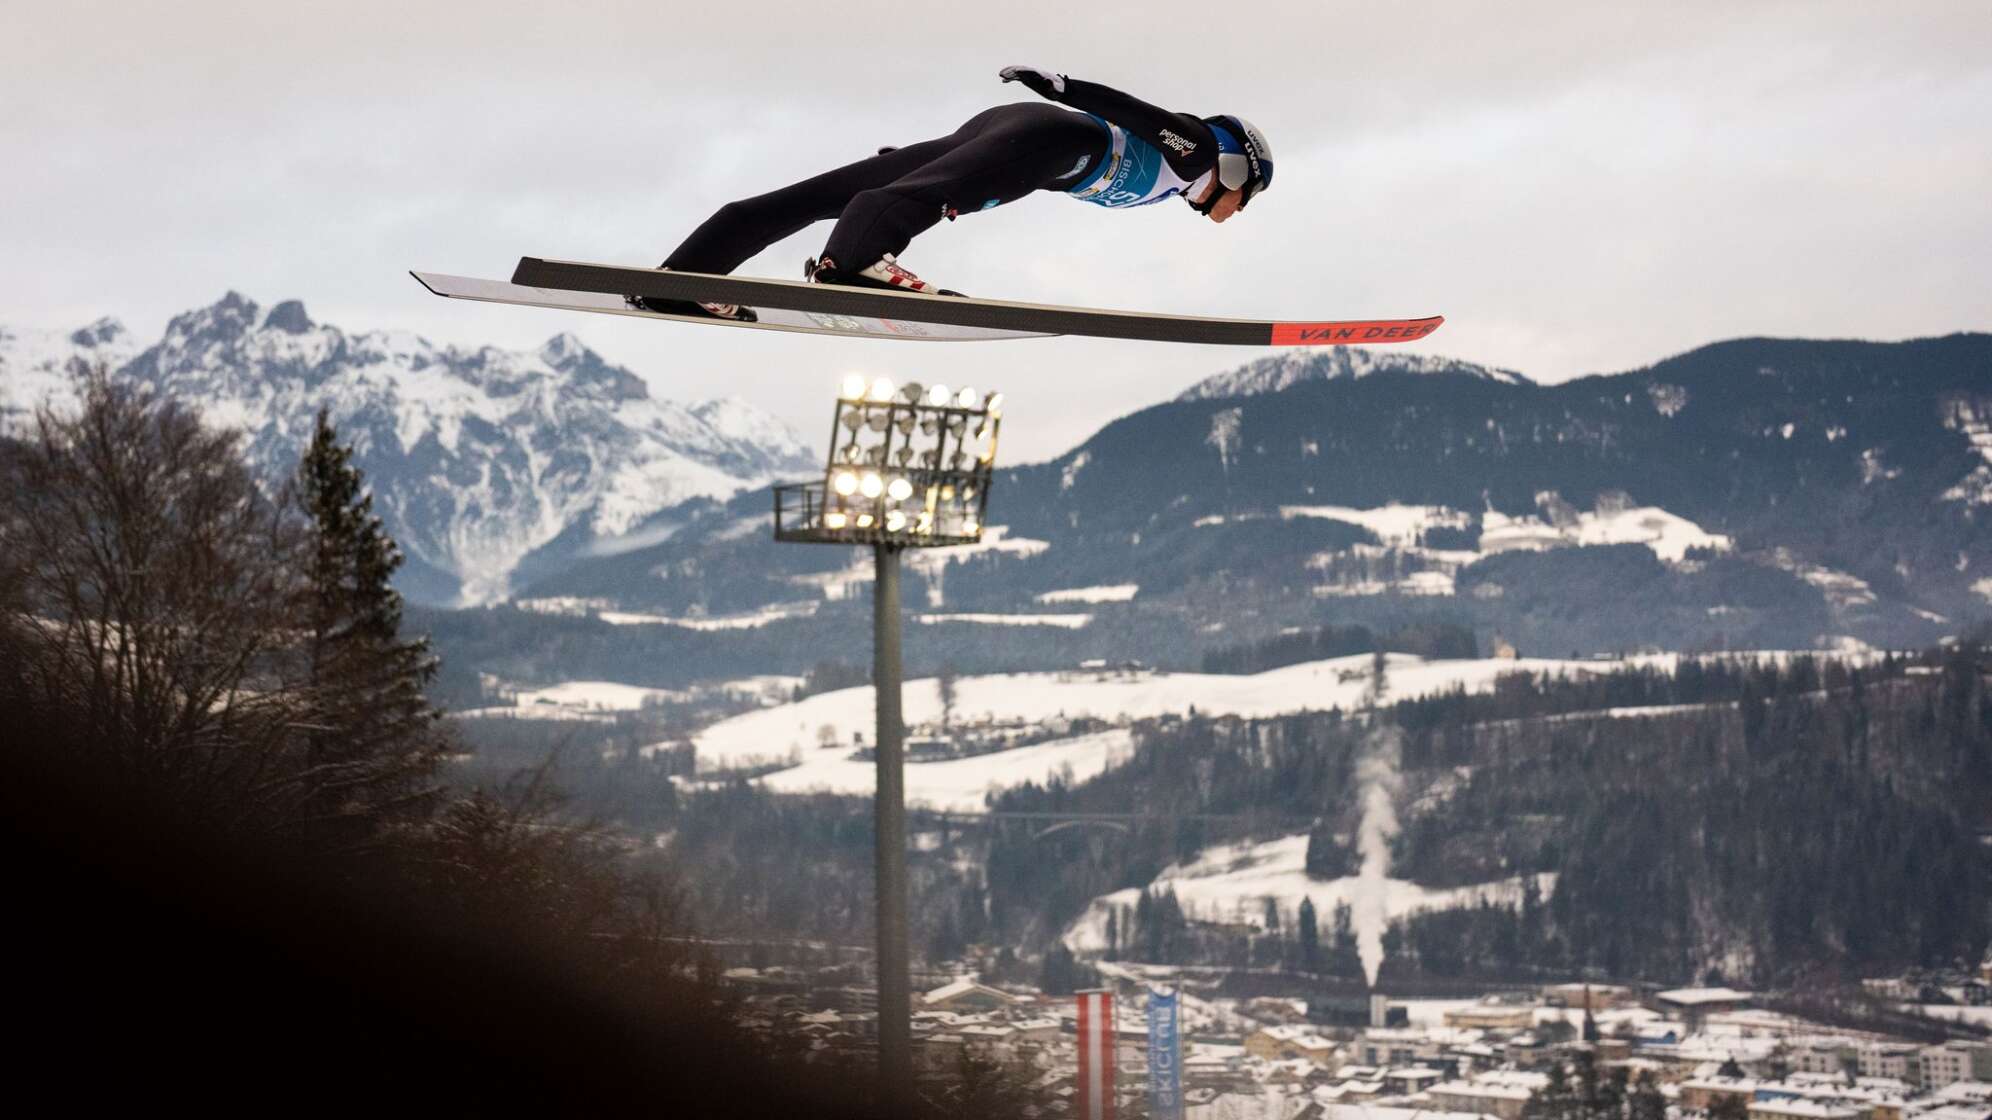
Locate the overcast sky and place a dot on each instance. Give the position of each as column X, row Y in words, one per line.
column 1577, row 187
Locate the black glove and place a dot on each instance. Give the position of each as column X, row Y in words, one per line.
column 1044, row 83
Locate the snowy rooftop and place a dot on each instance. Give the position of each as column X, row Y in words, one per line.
column 1690, row 997
column 1959, row 1112
column 1378, row 1112
column 1491, row 1092
column 1801, row 1109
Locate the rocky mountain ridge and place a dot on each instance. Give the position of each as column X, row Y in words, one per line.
column 1759, row 493
column 479, row 457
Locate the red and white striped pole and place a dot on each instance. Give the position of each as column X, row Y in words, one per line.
column 1096, row 1054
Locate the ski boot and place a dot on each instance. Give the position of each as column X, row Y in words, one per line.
column 732, row 311
column 886, row 273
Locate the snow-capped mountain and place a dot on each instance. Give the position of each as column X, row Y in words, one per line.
column 477, row 457
column 39, row 365
column 1292, row 367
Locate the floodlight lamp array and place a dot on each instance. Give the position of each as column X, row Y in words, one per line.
column 909, row 464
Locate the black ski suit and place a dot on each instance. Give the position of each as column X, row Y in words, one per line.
column 997, row 156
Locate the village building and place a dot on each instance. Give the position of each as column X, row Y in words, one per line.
column 1964, row 1092
column 1491, row 1016
column 1355, row 1084
column 1873, row 1098
column 1407, row 1046
column 1503, row 1101
column 1039, row 1029
column 1379, row 1112
column 1290, row 1041
column 1752, row 1054
column 968, row 994
column 1471, row 1056
column 1958, row 1112
column 1898, row 1060
column 1409, row 1081
column 1799, row 1108
column 1702, row 1093
column 1527, row 1050
column 1825, row 1056
column 1695, row 1005
column 1597, row 997
column 1954, row 1061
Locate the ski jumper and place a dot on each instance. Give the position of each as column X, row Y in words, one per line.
column 1116, row 152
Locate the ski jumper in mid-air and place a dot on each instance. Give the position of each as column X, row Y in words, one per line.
column 1116, row 152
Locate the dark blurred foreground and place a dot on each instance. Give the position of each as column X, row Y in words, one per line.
column 156, row 965
column 236, row 878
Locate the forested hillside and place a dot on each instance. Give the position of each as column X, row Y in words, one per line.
column 1748, row 821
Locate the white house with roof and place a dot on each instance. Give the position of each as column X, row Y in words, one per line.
column 968, row 994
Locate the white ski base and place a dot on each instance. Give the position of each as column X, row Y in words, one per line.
column 771, row 319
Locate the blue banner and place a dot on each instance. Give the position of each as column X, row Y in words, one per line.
column 1165, row 1058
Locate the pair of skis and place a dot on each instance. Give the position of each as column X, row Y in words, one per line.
column 787, row 305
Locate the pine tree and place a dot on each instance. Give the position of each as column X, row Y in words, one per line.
column 946, row 684
column 1310, row 936
column 1557, row 1101
column 1613, row 1093
column 1645, row 1101
column 375, row 741
column 1587, row 1082
column 1345, row 959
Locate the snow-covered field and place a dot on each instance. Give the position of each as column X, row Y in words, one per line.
column 598, row 696
column 1230, row 883
column 1670, row 537
column 1397, row 525
column 1110, row 593
column 1036, row 697
column 1400, row 528
column 798, row 730
column 751, row 620
column 1062, row 621
column 602, row 700
column 960, row 784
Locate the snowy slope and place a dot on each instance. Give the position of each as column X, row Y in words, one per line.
column 1292, row 367
column 1230, row 883
column 960, row 784
column 477, row 457
column 794, row 732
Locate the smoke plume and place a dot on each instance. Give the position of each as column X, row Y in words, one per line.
column 1377, row 785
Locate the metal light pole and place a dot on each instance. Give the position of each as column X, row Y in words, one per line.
column 908, row 468
column 895, row 996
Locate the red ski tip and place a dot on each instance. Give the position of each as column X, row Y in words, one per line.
column 1342, row 334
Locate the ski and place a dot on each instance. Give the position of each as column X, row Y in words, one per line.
column 1007, row 318
column 771, row 319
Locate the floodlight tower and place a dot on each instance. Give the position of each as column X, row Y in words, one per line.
column 909, row 467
